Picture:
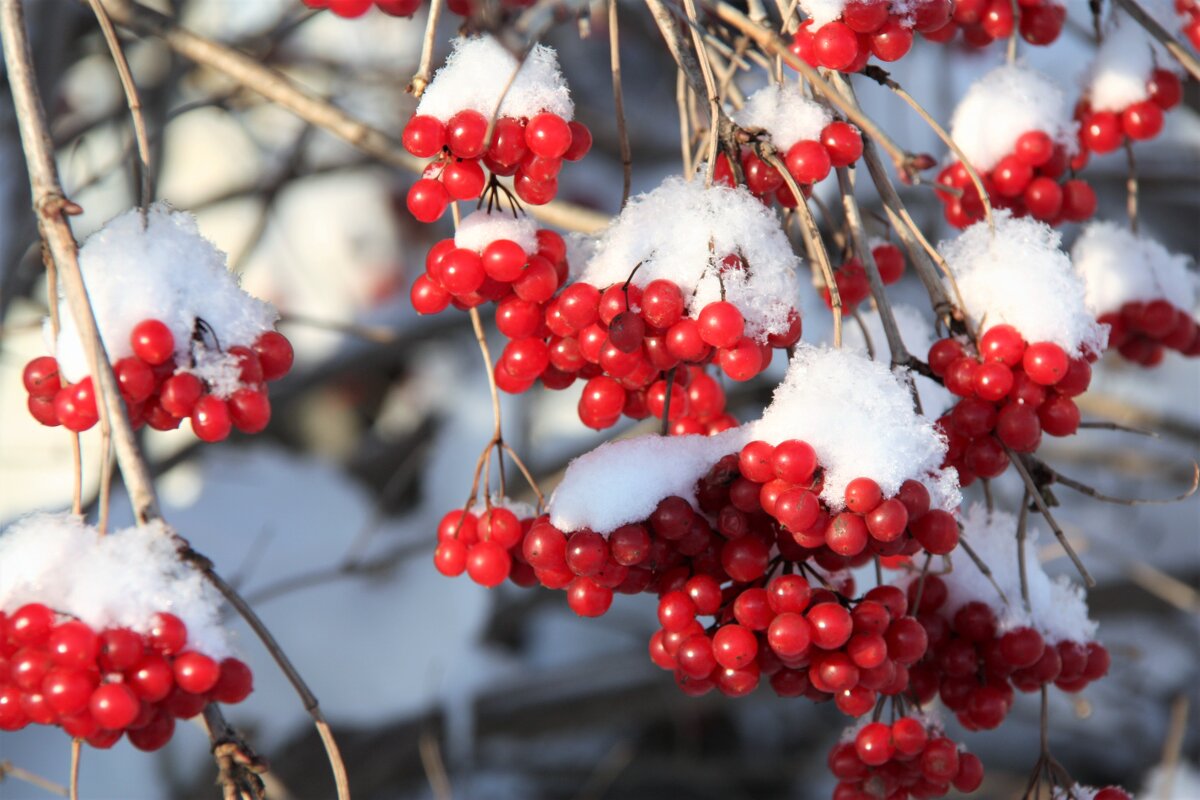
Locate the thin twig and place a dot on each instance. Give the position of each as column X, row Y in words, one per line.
column 1131, row 187
column 983, row 568
column 239, row 769
column 1095, row 494
column 1022, row 536
column 614, row 52
column 10, row 770
column 714, row 100
column 133, row 101
column 1036, row 493
column 416, row 87
column 435, row 769
column 76, row 753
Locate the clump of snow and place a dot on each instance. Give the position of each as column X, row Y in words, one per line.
column 1120, row 267
column 785, row 113
column 480, row 228
column 622, row 482
column 1005, row 103
column 1021, row 277
column 1057, row 608
column 1180, row 782
column 858, row 417
column 916, row 331
column 1127, row 58
column 1075, row 792
column 822, row 11
column 497, row 500
column 477, row 73
column 681, row 231
column 166, row 271
column 118, row 580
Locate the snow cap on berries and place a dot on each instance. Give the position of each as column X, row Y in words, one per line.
column 1120, row 267
column 477, row 73
column 520, row 510
column 1057, row 608
column 785, row 113
column 858, row 416
column 622, row 482
column 164, row 270
column 1004, row 104
column 1126, row 59
column 121, row 579
column 1019, row 276
column 822, row 11
column 480, row 228
column 681, row 231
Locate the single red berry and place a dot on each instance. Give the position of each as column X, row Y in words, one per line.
column 808, row 162
column 114, row 706
column 427, row 200
column 41, row 377
column 73, row 644
column 1101, row 132
column 835, row 45
column 488, row 563
column 1045, row 362
column 874, row 744
column 152, row 342
column 843, row 143
column 249, row 410
column 235, row 683
column 210, row 417
column 167, row 634
column 1142, row 121
column 424, row 136
column 734, row 646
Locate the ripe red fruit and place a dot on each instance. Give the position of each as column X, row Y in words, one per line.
column 151, row 678
column 152, row 342
column 587, row 598
column 1045, row 362
column 808, row 161
column 427, row 200
column 891, row 42
column 464, row 134
column 874, row 744
column 1043, row 198
column 835, row 45
column 734, row 646
column 1165, row 89
column 794, row 461
column 211, row 421
column 155, row 734
column 548, row 135
column 488, row 563
column 1022, row 647
column 450, row 558
column 1079, row 200
column 424, row 136
column 41, row 377
column 745, row 559
column 581, row 141
column 1034, row 148
column 73, row 644
column 1101, row 132
column 114, row 706
column 464, row 180
column 249, row 410
column 67, row 690
column 831, row 625
column 235, row 683
column 168, row 633
column 662, row 304
column 1142, row 121
column 843, row 143
column 275, row 354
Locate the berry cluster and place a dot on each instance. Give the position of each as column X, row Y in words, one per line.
column 1026, row 181
column 1142, row 332
column 851, row 277
column 783, row 481
column 808, row 161
column 350, row 9
column 530, row 150
column 1105, row 131
column 160, row 390
column 866, row 28
column 626, row 340
column 487, row 546
column 982, row 22
column 1012, row 392
column 904, row 759
column 100, row 686
column 974, row 668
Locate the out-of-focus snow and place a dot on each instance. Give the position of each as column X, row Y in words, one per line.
column 1119, row 267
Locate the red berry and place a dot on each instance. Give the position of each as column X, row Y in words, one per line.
column 114, row 706
column 73, row 644
column 152, row 342
column 548, row 135
column 843, row 143
column 249, row 410
column 587, row 598
column 1034, row 148
column 808, row 162
column 1165, row 89
column 235, row 683
column 874, row 744
column 734, row 646
column 41, row 377
column 1142, row 121
column 835, row 45
column 424, row 136
column 168, row 633
column 211, row 421
column 488, row 563
column 581, row 141
column 1045, row 362
column 464, row 134
column 662, row 304
column 427, row 200
column 1101, row 132
column 891, row 42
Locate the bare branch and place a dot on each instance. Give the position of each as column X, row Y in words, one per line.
column 614, row 50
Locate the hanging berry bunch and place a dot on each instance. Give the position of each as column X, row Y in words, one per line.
column 991, row 636
column 807, row 139
column 844, row 35
column 88, row 644
column 533, row 134
column 909, row 757
column 485, row 542
column 1015, row 128
column 1130, row 87
column 186, row 341
column 1033, row 353
column 982, row 22
column 1143, row 292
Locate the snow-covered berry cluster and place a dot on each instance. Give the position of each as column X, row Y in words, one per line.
column 1014, row 127
column 843, row 35
column 1142, row 291
column 87, row 645
column 983, row 645
column 809, row 142
column 1019, row 379
column 982, row 22
column 533, row 132
column 186, row 341
column 911, row 757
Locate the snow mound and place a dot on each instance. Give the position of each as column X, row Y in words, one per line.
column 1075, row 792
column 1057, row 608
column 822, row 11
column 917, row 332
column 118, row 580
column 1021, row 277
column 478, row 71
column 1127, row 58
column 166, row 271
column 1005, row 103
column 521, row 510
column 1180, row 783
column 681, row 231
column 1121, row 267
column 785, row 113
column 859, row 418
column 622, row 482
column 480, row 228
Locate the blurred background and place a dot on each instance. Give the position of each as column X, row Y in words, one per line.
column 326, row 522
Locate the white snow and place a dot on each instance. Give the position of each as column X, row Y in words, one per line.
column 1005, row 103
column 822, row 11
column 1124, row 63
column 681, row 231
column 1057, row 608
column 1179, row 783
column 519, row 509
column 1120, row 267
column 622, row 482
column 916, row 331
column 785, row 113
column 478, row 71
column 117, row 580
column 1021, row 277
column 858, row 417
column 480, row 228
column 1076, row 792
column 167, row 271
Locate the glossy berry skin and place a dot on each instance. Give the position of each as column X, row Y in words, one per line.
column 427, row 200
column 114, row 706
column 424, row 136
column 152, row 342
column 548, row 135
column 843, row 142
column 41, row 377
column 211, row 420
